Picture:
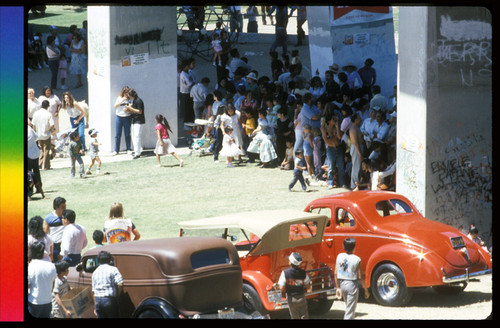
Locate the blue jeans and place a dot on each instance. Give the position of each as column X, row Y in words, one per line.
column 72, row 259
column 54, row 70
column 106, row 307
column 74, row 159
column 218, row 143
column 40, row 310
column 81, row 128
column 297, row 176
column 122, row 123
column 280, row 39
column 335, row 157
column 236, row 23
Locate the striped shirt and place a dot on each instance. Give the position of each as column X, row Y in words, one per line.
column 105, row 280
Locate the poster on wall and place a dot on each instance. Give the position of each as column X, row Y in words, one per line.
column 345, row 15
column 134, row 60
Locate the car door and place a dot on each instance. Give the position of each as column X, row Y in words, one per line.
column 328, row 249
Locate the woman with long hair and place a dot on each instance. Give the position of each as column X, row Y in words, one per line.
column 76, row 114
column 117, row 228
column 36, row 233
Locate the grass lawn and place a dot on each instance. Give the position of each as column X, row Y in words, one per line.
column 62, row 16
column 156, row 198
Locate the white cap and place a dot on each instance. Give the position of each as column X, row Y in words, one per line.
column 295, row 259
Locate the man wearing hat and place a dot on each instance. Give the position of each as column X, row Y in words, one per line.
column 294, row 281
column 252, row 84
column 353, row 78
column 369, row 76
column 335, row 70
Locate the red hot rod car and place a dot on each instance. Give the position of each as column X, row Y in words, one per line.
column 399, row 248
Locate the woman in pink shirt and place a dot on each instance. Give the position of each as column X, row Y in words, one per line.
column 163, row 145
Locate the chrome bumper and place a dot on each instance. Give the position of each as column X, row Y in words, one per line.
column 465, row 277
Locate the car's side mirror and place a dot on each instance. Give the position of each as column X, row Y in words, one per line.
column 79, row 267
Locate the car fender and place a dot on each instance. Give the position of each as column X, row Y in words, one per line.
column 260, row 282
column 161, row 305
column 421, row 267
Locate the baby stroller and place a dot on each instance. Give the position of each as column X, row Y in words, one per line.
column 200, row 145
column 62, row 140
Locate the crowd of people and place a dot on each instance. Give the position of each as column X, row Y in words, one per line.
column 55, row 244
column 344, row 126
column 60, row 56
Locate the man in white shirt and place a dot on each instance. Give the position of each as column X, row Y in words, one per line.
column 185, row 84
column 381, row 128
column 41, row 276
column 347, row 275
column 43, row 124
column 368, row 126
column 236, row 62
column 199, row 93
column 378, row 99
column 73, row 240
column 54, row 226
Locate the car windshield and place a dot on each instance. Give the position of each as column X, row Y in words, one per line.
column 241, row 238
column 392, row 207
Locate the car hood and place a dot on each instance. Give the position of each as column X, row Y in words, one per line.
column 432, row 236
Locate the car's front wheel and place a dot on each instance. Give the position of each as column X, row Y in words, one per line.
column 254, row 299
column 388, row 286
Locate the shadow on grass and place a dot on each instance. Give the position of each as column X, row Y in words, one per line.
column 33, row 17
column 43, row 28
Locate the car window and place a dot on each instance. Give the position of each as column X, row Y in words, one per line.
column 302, row 230
column 91, row 264
column 209, row 257
column 344, row 219
column 323, row 210
column 392, row 207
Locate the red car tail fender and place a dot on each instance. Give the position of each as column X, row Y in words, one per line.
column 420, row 267
column 261, row 283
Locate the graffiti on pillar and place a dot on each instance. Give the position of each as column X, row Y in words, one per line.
column 461, row 180
column 97, row 43
column 465, row 46
column 151, row 42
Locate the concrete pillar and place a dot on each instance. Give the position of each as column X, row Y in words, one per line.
column 354, row 39
column 133, row 46
column 354, row 42
column 444, row 153
column 318, row 20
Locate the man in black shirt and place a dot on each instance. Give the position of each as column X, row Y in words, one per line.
column 294, row 281
column 138, row 120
